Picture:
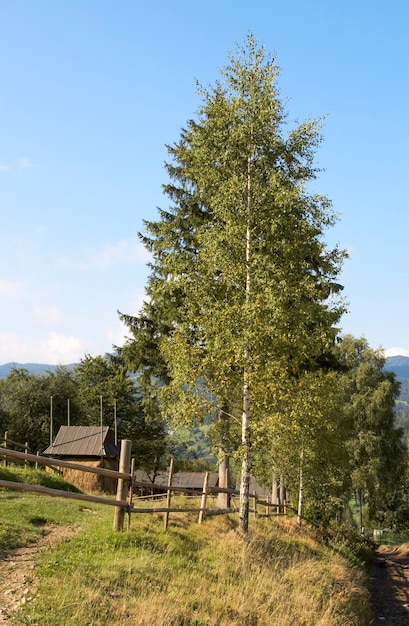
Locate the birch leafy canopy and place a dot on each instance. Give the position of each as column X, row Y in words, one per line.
column 245, row 284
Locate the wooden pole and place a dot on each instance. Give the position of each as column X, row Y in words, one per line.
column 25, row 452
column 121, row 493
column 130, row 495
column 168, row 494
column 102, row 431
column 255, row 503
column 58, row 463
column 58, row 493
column 51, row 420
column 5, row 445
column 204, row 497
column 115, row 425
column 68, row 412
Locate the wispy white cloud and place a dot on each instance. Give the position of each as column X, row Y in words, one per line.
column 129, row 252
column 11, row 290
column 53, row 348
column 118, row 335
column 25, row 163
column 22, row 164
column 48, row 315
column 396, row 352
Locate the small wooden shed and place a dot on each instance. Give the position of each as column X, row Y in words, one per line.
column 191, row 481
column 86, row 445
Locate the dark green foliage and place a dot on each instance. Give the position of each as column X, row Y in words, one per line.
column 376, row 446
column 96, row 388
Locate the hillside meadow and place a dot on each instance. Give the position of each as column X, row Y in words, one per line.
column 189, row 575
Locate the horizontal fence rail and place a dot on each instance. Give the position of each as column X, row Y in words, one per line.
column 59, row 493
column 126, row 483
column 189, row 491
column 35, row 458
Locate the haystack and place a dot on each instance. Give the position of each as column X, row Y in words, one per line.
column 93, row 446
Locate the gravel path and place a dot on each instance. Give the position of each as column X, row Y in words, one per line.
column 17, row 580
column 389, row 586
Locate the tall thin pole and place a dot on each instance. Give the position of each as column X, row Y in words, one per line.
column 68, row 412
column 102, row 432
column 115, row 424
column 51, row 420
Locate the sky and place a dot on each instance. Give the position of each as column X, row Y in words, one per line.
column 93, row 90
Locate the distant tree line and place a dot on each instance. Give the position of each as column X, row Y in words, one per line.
column 97, row 389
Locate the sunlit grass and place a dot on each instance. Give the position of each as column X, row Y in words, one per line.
column 189, row 575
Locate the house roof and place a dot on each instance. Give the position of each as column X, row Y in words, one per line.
column 184, row 480
column 83, row 441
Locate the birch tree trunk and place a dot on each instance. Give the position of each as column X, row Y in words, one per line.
column 223, row 499
column 246, row 416
column 301, row 489
column 246, row 461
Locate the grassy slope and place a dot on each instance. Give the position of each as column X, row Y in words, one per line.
column 188, row 575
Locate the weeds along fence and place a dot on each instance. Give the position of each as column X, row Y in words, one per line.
column 125, row 486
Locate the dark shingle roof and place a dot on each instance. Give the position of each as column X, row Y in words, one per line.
column 83, row 441
column 185, row 480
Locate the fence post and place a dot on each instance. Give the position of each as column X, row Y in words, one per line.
column 130, row 496
column 168, row 494
column 255, row 503
column 121, row 492
column 5, row 445
column 204, row 496
column 25, row 452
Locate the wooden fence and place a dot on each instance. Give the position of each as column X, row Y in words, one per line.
column 7, row 441
column 123, row 503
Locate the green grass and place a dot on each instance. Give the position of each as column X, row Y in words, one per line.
column 36, row 477
column 24, row 516
column 189, row 575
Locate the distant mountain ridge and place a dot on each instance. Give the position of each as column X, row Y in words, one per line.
column 33, row 368
column 397, row 364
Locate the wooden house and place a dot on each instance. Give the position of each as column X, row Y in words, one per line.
column 86, row 445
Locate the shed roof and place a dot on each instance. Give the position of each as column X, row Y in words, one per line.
column 185, row 480
column 83, row 441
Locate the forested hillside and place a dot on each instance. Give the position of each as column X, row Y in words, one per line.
column 399, row 365
column 33, row 368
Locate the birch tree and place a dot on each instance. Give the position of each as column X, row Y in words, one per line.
column 260, row 293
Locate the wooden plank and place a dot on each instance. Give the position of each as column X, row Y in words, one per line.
column 204, row 497
column 168, row 494
column 9, row 484
column 182, row 510
column 138, row 483
column 58, row 463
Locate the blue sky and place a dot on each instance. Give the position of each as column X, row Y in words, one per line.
column 92, row 90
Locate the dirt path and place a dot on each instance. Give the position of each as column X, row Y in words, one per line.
column 389, row 586
column 17, row 580
column 388, row 579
